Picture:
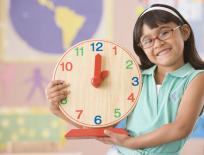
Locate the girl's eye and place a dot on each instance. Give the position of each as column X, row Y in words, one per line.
column 147, row 41
column 164, row 33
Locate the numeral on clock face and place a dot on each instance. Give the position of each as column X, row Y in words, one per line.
column 79, row 51
column 97, row 46
column 129, row 64
column 66, row 66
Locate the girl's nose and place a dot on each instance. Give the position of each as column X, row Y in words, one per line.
column 158, row 42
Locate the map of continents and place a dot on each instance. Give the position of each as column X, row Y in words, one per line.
column 51, row 26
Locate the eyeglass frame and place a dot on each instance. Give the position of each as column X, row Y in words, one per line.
column 157, row 37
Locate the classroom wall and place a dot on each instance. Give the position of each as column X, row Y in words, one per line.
column 33, row 36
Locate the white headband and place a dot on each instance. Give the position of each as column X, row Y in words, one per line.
column 161, row 8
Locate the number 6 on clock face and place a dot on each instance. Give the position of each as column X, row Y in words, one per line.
column 105, row 83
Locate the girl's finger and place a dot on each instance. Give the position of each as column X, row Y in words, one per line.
column 56, row 100
column 54, row 82
column 57, row 87
column 58, row 93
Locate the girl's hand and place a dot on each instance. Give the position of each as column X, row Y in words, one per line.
column 117, row 139
column 56, row 91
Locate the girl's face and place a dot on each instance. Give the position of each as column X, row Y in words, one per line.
column 164, row 45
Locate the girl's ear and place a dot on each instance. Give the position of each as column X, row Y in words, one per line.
column 186, row 31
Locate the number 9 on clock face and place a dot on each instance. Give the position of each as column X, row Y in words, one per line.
column 105, row 83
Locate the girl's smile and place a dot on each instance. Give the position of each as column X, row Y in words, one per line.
column 163, row 52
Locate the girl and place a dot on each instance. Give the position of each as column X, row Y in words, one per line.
column 172, row 91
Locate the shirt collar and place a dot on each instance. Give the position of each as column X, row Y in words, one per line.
column 180, row 72
column 149, row 71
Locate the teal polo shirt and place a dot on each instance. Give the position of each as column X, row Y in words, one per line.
column 153, row 109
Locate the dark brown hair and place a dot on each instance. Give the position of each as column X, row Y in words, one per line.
column 155, row 17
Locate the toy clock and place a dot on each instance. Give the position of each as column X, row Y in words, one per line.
column 105, row 84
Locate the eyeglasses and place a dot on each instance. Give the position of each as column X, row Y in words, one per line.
column 164, row 34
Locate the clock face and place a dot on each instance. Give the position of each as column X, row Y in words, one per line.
column 105, row 83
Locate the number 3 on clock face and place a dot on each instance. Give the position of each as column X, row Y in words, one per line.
column 105, row 83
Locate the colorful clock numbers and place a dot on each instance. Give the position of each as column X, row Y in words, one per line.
column 105, row 83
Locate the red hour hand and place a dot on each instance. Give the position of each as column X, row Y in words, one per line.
column 97, row 68
column 98, row 75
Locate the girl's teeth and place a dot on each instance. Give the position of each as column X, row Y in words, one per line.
column 163, row 52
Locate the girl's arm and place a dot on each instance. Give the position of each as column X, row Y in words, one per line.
column 188, row 112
